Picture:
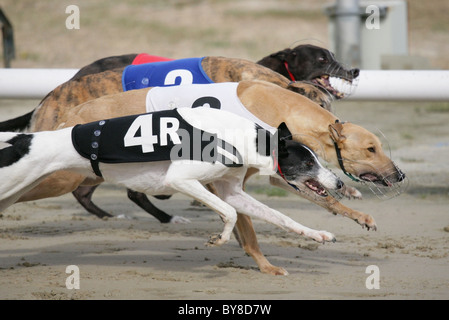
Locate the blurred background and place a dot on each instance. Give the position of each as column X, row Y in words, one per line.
column 249, row 29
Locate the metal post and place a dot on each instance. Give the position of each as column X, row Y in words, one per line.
column 347, row 32
column 8, row 40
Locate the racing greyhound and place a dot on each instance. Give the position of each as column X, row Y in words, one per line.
column 176, row 150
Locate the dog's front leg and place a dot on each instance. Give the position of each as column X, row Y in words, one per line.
column 251, row 207
column 246, row 204
column 196, row 190
column 329, row 203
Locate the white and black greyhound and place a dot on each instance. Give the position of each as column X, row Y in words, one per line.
column 164, row 152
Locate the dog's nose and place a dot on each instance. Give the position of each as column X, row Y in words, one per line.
column 355, row 72
column 401, row 175
column 340, row 184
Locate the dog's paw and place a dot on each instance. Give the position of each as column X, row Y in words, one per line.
column 216, row 240
column 124, row 216
column 275, row 271
column 350, row 192
column 179, row 220
column 321, row 236
column 367, row 221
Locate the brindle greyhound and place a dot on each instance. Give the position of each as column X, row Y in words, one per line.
column 303, row 63
column 359, row 150
column 90, row 82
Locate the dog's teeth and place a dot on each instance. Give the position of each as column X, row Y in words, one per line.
column 341, row 85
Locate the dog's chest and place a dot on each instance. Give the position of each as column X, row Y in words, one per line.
column 165, row 73
column 148, row 137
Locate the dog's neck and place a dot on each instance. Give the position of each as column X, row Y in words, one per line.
column 308, row 122
column 276, row 63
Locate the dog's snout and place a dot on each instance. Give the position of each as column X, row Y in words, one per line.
column 340, row 184
column 355, row 72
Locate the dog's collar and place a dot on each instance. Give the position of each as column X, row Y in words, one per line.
column 280, row 58
column 292, row 77
column 340, row 159
column 277, row 168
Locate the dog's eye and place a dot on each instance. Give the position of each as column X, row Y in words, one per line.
column 372, row 149
column 310, row 164
column 322, row 60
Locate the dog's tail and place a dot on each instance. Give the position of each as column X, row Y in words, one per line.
column 21, row 123
column 18, row 124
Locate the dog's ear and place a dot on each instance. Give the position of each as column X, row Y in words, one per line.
column 335, row 132
column 282, row 55
column 283, row 132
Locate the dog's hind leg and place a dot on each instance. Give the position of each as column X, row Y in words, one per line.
column 84, row 196
column 142, row 201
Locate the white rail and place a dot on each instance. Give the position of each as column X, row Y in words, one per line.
column 31, row 83
column 385, row 85
column 408, row 85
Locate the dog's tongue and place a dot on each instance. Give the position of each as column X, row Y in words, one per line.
column 324, row 81
column 369, row 177
column 316, row 186
column 373, row 178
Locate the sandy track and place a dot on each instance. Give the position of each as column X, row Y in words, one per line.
column 139, row 258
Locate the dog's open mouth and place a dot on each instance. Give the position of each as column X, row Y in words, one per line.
column 374, row 178
column 336, row 86
column 316, row 187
